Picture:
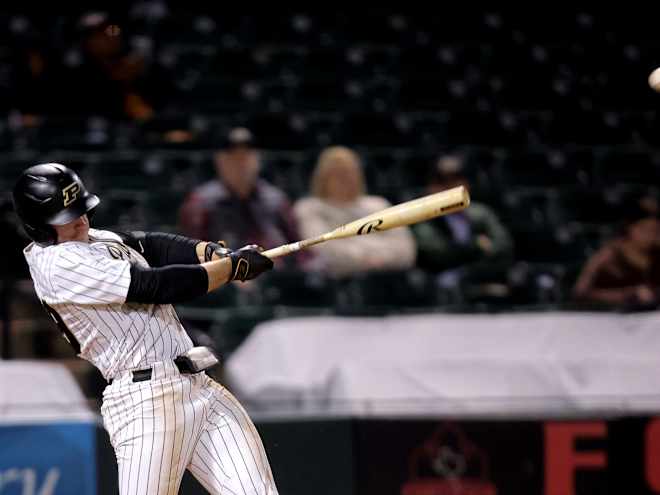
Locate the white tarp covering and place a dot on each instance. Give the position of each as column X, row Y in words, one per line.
column 481, row 364
column 32, row 391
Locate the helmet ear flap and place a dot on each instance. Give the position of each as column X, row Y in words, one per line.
column 90, row 213
column 43, row 235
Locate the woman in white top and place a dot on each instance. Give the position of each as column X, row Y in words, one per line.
column 338, row 197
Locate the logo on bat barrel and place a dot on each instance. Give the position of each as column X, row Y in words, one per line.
column 369, row 227
column 451, row 207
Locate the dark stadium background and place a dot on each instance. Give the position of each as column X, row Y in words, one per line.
column 551, row 109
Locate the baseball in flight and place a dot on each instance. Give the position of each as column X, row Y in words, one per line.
column 654, row 80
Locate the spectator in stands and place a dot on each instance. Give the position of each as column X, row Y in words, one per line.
column 110, row 80
column 238, row 206
column 625, row 272
column 339, row 196
column 472, row 236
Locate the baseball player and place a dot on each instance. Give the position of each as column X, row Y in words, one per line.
column 111, row 294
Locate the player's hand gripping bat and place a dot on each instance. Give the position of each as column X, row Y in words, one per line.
column 414, row 211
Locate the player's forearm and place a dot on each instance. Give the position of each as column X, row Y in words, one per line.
column 218, row 272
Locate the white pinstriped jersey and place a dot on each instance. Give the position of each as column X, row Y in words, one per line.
column 86, row 285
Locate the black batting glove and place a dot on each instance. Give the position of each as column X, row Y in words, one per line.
column 218, row 248
column 248, row 262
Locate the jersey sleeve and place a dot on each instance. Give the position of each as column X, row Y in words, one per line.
column 85, row 276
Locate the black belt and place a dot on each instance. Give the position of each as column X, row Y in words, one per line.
column 143, row 375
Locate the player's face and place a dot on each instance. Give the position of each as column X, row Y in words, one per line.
column 76, row 230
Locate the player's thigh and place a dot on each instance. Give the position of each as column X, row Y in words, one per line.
column 229, row 456
column 152, row 434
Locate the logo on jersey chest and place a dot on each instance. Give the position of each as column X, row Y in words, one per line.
column 119, row 251
column 70, row 193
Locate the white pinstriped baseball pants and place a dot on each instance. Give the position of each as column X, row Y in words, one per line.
column 173, row 422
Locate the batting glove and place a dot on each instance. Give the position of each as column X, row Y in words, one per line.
column 248, row 262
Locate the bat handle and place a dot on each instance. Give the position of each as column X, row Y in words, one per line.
column 295, row 246
column 282, row 250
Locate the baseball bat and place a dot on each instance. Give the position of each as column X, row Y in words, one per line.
column 414, row 211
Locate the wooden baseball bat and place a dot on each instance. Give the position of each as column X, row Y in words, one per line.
column 414, row 211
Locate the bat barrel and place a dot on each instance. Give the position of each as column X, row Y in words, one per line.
column 410, row 212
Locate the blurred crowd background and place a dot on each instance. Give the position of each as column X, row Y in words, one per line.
column 271, row 127
column 267, row 129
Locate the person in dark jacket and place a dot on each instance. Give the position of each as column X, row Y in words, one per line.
column 468, row 237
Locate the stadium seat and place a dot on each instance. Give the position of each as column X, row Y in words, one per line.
column 387, row 291
column 320, row 62
column 120, row 210
column 529, row 208
column 320, row 93
column 229, row 296
column 616, row 166
column 129, row 172
column 385, row 173
column 235, row 63
column 288, row 170
column 374, row 129
column 544, row 168
column 230, row 328
column 536, row 283
column 280, row 131
column 71, row 133
column 162, row 209
column 590, row 205
column 367, row 61
column 294, row 288
column 215, row 95
column 550, row 245
column 427, row 92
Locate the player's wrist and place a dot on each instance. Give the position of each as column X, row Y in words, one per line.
column 211, row 251
column 215, row 251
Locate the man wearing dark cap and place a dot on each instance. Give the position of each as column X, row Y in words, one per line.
column 471, row 236
column 238, row 205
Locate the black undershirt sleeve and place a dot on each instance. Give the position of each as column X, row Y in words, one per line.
column 161, row 249
column 167, row 285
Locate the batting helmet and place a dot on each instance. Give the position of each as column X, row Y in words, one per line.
column 50, row 194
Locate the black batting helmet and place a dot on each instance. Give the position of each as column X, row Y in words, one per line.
column 50, row 194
